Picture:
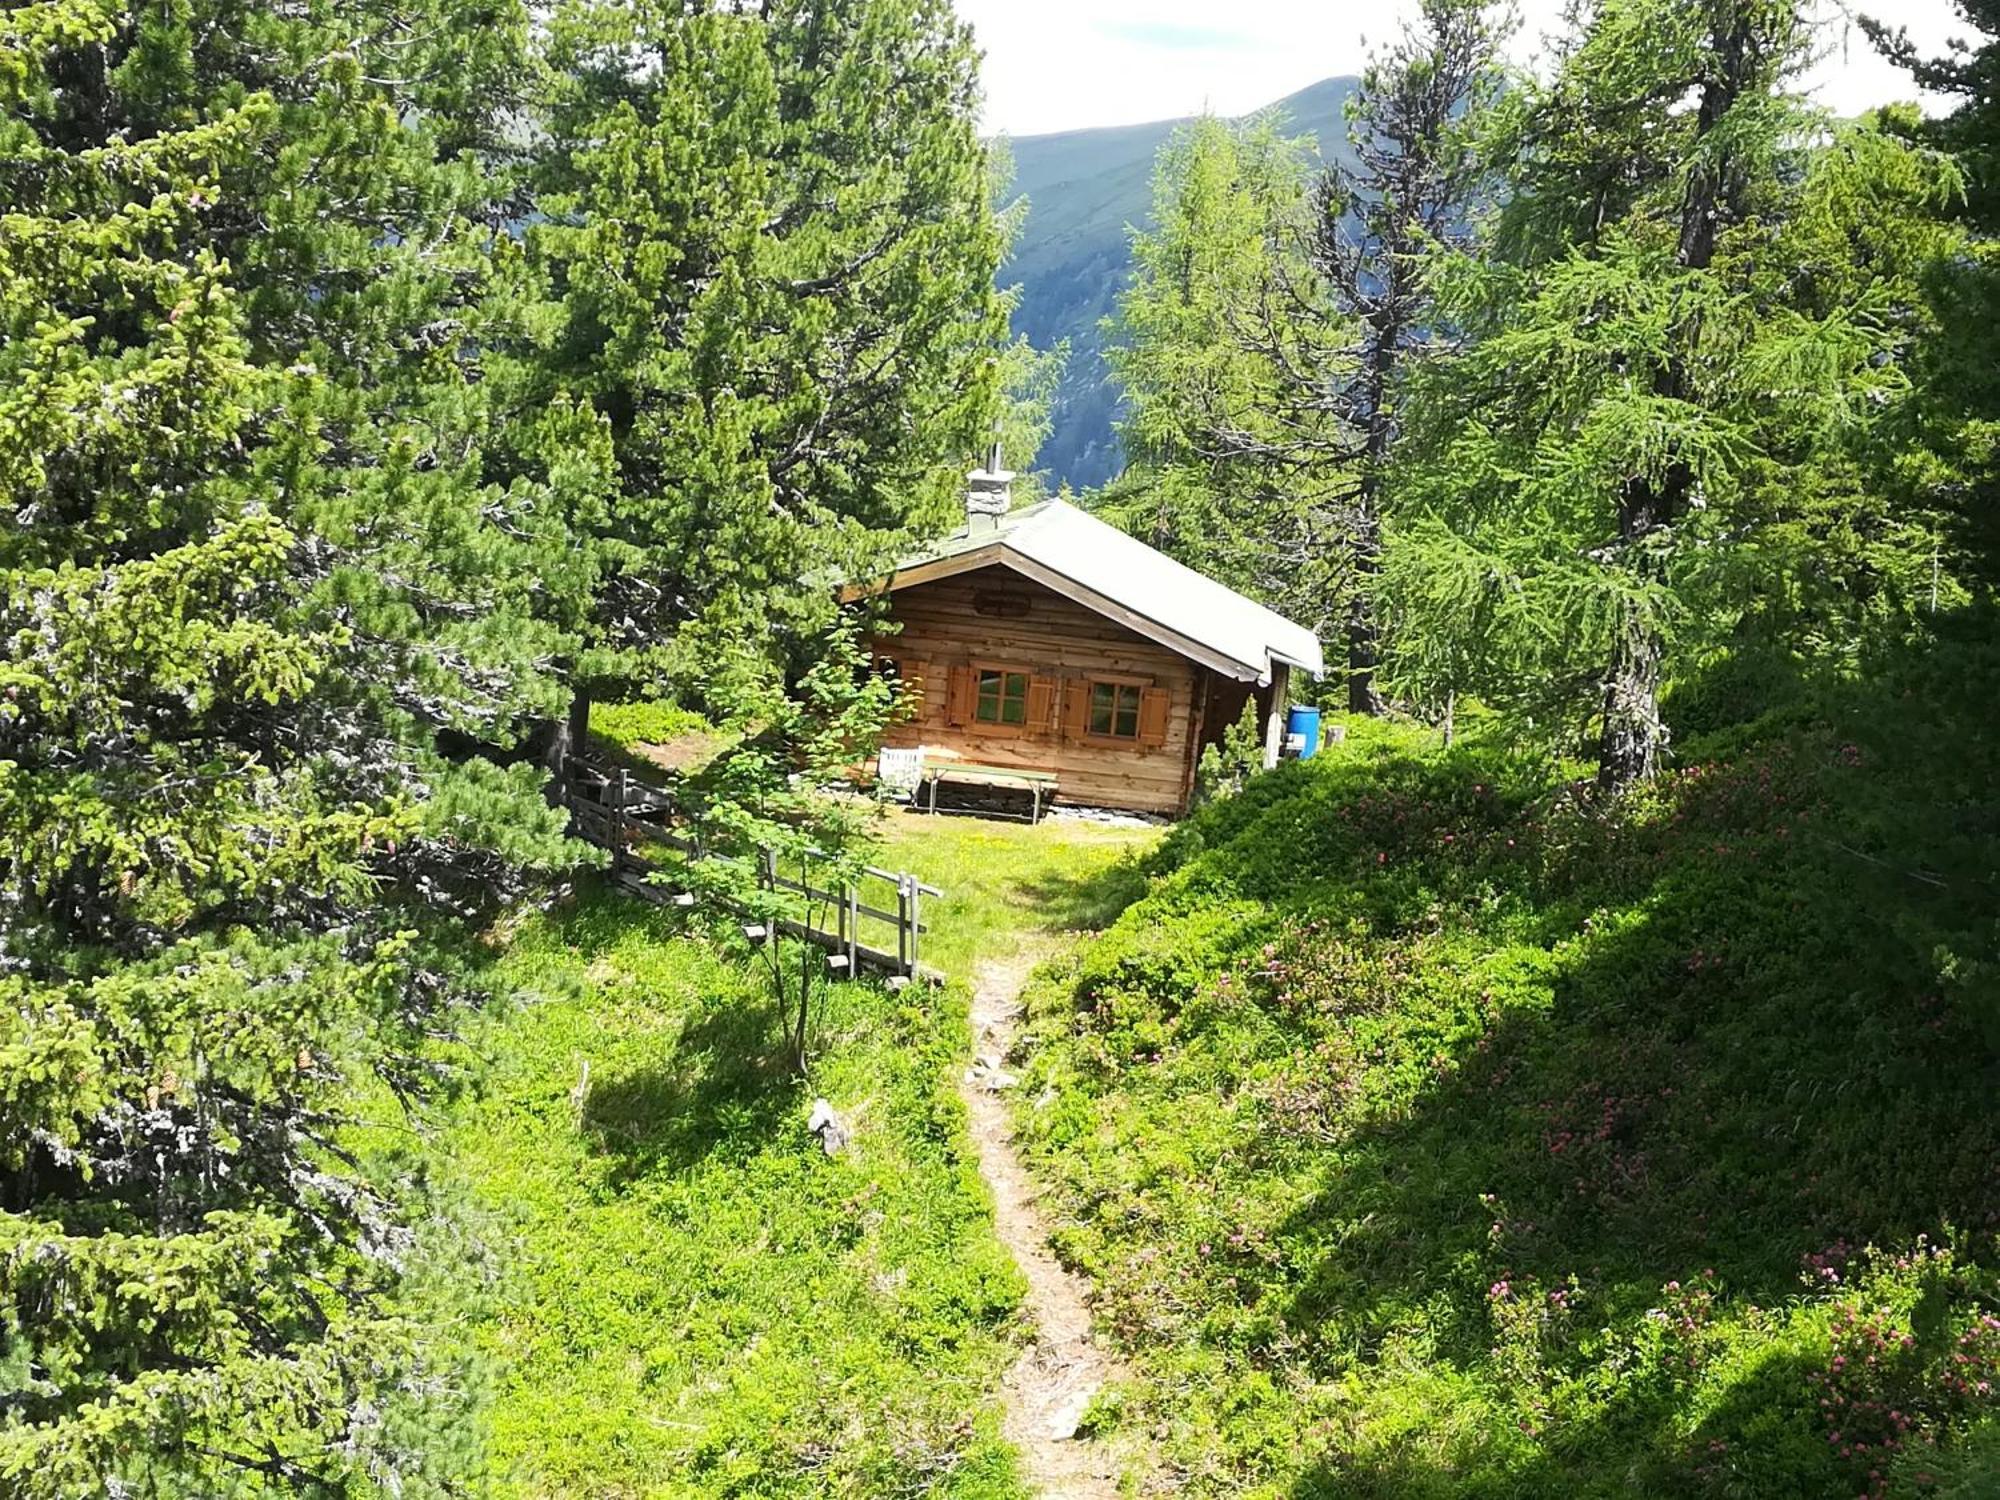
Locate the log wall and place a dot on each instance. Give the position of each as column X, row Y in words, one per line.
column 998, row 619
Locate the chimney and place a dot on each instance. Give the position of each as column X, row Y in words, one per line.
column 989, row 493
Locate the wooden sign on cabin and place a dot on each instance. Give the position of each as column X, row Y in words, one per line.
column 1044, row 641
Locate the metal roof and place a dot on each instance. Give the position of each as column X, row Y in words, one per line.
column 1102, row 568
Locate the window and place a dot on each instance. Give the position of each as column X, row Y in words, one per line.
column 1114, row 710
column 1003, row 698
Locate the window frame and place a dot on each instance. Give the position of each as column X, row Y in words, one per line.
column 1119, row 687
column 1004, row 671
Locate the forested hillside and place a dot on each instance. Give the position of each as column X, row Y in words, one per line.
column 1087, row 190
column 437, row 770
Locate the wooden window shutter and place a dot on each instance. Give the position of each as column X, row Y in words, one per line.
column 1076, row 709
column 961, row 696
column 1154, row 706
column 1042, row 706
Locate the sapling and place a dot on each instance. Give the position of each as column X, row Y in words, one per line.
column 778, row 838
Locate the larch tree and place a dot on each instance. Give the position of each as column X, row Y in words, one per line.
column 259, row 597
column 766, row 255
column 1270, row 327
column 1686, row 317
column 1960, row 365
column 1202, row 415
column 1407, row 190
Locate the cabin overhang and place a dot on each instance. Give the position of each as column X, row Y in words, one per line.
column 999, row 554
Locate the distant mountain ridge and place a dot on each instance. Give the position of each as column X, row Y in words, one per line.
column 1086, row 189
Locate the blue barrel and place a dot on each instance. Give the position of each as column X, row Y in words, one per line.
column 1302, row 731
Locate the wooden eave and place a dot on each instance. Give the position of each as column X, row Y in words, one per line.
column 998, row 552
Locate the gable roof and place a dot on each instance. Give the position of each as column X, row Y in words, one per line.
column 1099, row 566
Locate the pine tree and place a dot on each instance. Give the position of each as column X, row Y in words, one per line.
column 259, row 597
column 768, row 257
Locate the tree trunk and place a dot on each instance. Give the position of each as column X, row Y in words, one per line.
column 1385, row 337
column 1363, row 634
column 569, row 737
column 1633, row 737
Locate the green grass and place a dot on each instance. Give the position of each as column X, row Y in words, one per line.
column 1426, row 1131
column 650, row 723
column 1429, row 1134
column 1005, row 881
column 649, row 737
column 695, row 1300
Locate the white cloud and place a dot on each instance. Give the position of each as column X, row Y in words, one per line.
column 1072, row 64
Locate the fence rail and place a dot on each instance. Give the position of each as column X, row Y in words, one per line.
column 623, row 815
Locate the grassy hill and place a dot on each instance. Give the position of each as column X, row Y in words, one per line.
column 693, row 1301
column 1087, row 188
column 1430, row 1130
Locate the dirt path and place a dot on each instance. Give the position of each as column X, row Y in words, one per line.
column 1052, row 1382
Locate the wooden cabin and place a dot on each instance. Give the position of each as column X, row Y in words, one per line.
column 1051, row 652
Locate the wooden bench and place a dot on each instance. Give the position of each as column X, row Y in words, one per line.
column 1041, row 785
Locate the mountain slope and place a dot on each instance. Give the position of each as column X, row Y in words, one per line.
column 1086, row 190
column 1430, row 1133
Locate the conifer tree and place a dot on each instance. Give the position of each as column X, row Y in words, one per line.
column 1959, row 367
column 1684, row 324
column 254, row 585
column 1203, row 419
column 1408, row 192
column 1268, row 331
column 768, row 257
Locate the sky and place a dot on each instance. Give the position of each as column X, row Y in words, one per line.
column 1070, row 64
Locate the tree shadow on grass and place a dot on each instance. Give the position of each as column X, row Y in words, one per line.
column 1692, row 1108
column 719, row 1094
column 1753, row 1023
column 718, row 1087
column 1635, row 1437
column 1082, row 903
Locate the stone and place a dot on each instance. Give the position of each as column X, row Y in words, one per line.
column 834, row 1136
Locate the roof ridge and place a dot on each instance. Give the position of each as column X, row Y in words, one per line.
column 1065, row 540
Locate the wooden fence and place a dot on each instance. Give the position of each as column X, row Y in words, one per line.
column 876, row 922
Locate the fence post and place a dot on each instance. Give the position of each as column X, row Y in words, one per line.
column 620, row 789
column 916, row 925
column 902, row 924
column 854, row 927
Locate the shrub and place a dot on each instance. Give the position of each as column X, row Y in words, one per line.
column 1433, row 1128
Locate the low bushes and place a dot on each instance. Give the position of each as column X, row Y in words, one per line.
column 1430, row 1131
